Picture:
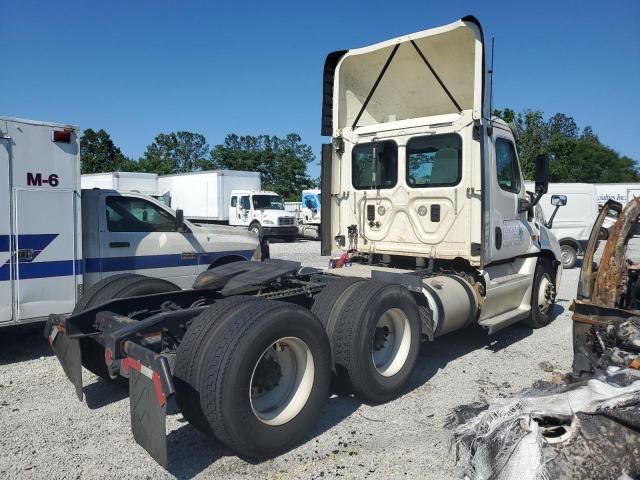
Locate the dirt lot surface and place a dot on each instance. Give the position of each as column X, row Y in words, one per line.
column 45, row 432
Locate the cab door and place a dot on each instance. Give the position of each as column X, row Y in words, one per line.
column 140, row 236
column 510, row 232
column 244, row 211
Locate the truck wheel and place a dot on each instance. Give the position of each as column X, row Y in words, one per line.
column 543, row 297
column 265, row 378
column 189, row 358
column 256, row 228
column 376, row 339
column 328, row 300
column 107, row 289
column 569, row 256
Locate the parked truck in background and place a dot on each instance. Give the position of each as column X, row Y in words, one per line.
column 310, row 214
column 229, row 197
column 425, row 213
column 572, row 224
column 58, row 241
column 204, row 196
column 263, row 213
column 124, row 182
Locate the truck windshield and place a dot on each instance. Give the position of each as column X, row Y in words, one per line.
column 368, row 172
column 268, row 202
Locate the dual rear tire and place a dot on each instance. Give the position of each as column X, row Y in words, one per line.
column 375, row 331
column 254, row 374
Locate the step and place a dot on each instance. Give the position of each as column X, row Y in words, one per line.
column 505, row 319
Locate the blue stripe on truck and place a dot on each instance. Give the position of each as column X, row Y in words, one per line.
column 61, row 268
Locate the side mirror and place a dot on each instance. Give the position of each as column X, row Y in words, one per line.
column 179, row 220
column 541, row 176
column 558, row 200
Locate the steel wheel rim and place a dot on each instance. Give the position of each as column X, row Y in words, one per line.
column 256, row 230
column 391, row 342
column 566, row 255
column 278, row 394
column 545, row 294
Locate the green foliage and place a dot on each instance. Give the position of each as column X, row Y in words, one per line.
column 99, row 154
column 282, row 162
column 575, row 157
column 175, row 152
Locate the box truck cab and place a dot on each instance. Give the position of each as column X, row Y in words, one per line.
column 263, row 213
column 311, row 207
column 572, row 224
column 56, row 240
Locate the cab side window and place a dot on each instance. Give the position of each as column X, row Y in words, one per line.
column 507, row 166
column 234, row 201
column 129, row 214
column 244, row 203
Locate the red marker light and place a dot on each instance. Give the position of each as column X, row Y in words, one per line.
column 61, row 136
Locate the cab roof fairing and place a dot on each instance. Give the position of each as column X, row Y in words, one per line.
column 434, row 72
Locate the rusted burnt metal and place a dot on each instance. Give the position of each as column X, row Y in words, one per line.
column 608, row 283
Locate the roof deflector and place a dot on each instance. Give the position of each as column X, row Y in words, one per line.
column 388, row 81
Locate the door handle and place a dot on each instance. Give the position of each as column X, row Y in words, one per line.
column 119, row 244
column 188, row 255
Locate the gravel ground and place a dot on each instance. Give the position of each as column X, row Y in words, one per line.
column 46, row 433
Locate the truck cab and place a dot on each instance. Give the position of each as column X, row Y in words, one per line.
column 134, row 233
column 419, row 176
column 263, row 213
column 310, row 208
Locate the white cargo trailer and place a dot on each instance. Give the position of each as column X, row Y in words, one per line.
column 204, row 196
column 125, row 182
column 57, row 240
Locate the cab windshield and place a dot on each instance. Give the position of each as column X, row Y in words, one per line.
column 268, row 202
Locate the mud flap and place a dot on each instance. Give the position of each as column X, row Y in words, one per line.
column 148, row 416
column 68, row 352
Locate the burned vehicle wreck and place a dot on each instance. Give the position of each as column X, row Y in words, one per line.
column 588, row 424
column 606, row 312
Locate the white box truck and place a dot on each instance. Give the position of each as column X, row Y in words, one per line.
column 125, row 182
column 229, row 197
column 57, row 240
column 204, row 196
column 430, row 227
column 572, row 224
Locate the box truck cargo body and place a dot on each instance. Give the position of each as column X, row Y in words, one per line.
column 204, row 196
column 57, row 240
column 145, row 183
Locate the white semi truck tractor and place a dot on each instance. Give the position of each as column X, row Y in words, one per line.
column 430, row 229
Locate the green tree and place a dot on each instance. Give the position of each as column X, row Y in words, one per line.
column 282, row 162
column 98, row 154
column 175, row 152
column 575, row 156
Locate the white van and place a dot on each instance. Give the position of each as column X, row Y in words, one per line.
column 572, row 224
